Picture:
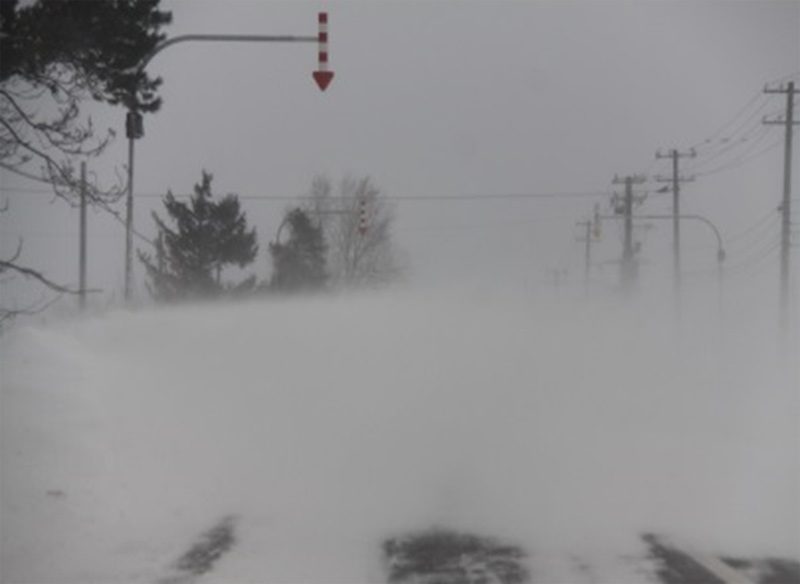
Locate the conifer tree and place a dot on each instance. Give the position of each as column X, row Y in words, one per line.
column 299, row 264
column 207, row 236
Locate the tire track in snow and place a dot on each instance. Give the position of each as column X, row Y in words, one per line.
column 204, row 553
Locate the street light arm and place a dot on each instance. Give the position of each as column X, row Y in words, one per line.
column 241, row 38
column 720, row 246
column 713, row 227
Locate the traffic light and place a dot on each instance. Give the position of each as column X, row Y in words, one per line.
column 362, row 216
column 134, row 125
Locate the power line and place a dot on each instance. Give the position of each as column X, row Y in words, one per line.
column 742, row 268
column 764, row 233
column 706, row 148
column 105, row 206
column 752, row 137
column 426, row 198
column 740, row 161
column 746, row 269
column 762, row 227
column 785, row 77
column 755, row 258
column 395, row 198
column 768, row 215
column 758, row 95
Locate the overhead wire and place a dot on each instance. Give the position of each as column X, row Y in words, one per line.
column 395, row 198
column 771, row 214
column 760, row 229
column 754, row 258
column 105, row 206
column 740, row 268
column 743, row 159
column 754, row 135
column 754, row 265
column 768, row 230
column 795, row 74
column 754, row 99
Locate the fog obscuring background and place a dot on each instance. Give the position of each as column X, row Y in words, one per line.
column 492, row 388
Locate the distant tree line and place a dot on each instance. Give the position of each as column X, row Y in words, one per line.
column 340, row 240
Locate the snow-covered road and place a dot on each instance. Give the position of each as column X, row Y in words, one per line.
column 326, row 426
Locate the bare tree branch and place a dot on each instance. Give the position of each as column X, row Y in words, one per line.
column 5, row 265
column 33, row 309
column 18, row 251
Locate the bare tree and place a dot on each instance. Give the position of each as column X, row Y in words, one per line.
column 357, row 223
column 10, row 266
column 41, row 132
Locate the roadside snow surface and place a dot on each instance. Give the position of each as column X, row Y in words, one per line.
column 319, row 428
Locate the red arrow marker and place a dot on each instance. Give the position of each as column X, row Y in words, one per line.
column 322, row 76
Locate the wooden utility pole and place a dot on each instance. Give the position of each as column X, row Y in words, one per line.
column 587, row 239
column 676, row 179
column 786, row 204
column 592, row 231
column 82, row 244
column 628, row 266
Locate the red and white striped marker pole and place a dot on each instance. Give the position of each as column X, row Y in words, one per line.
column 322, row 76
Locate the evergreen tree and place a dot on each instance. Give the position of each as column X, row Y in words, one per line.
column 299, row 264
column 97, row 44
column 208, row 235
column 55, row 54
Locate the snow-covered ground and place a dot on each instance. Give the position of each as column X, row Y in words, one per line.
column 323, row 426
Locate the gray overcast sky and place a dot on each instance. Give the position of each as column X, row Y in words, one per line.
column 451, row 98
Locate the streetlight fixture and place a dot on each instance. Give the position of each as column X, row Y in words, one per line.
column 721, row 254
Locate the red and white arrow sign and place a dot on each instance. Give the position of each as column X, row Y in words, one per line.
column 322, row 76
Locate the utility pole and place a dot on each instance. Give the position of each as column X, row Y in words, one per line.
column 676, row 179
column 134, row 131
column 628, row 266
column 587, row 239
column 786, row 204
column 82, row 244
column 592, row 230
